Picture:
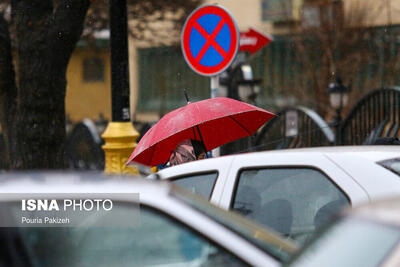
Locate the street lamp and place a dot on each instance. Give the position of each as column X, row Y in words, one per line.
column 339, row 98
column 238, row 83
column 248, row 87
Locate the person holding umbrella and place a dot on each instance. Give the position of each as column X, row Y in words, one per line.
column 186, row 151
column 211, row 122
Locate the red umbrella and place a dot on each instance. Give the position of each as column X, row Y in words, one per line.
column 214, row 121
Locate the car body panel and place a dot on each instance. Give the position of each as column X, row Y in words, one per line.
column 394, row 258
column 383, row 183
column 378, row 215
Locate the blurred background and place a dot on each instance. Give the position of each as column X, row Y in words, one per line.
column 320, row 50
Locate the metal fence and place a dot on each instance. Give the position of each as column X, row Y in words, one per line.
column 293, row 128
column 376, row 115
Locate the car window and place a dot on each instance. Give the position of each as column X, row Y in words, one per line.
column 270, row 242
column 292, row 201
column 392, row 165
column 201, row 184
column 158, row 240
column 350, row 242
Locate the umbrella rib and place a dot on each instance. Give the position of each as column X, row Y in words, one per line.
column 194, row 133
column 244, row 128
column 201, row 138
column 152, row 154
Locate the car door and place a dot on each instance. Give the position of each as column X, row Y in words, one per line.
column 292, row 193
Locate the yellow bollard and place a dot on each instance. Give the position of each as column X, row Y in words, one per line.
column 120, row 140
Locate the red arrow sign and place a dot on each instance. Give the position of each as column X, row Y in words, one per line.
column 253, row 40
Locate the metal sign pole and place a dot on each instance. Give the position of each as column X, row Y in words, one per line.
column 215, row 93
column 214, row 86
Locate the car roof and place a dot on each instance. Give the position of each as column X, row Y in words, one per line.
column 375, row 153
column 341, row 149
column 80, row 182
column 371, row 153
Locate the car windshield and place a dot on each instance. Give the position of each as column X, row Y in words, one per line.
column 269, row 241
column 350, row 242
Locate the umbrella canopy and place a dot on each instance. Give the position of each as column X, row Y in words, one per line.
column 215, row 121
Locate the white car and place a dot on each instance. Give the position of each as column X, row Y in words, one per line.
column 293, row 191
column 171, row 227
column 368, row 235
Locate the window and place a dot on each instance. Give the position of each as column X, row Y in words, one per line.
column 93, row 69
column 158, row 240
column 277, row 10
column 292, row 201
column 201, row 184
column 392, row 165
column 162, row 73
column 322, row 14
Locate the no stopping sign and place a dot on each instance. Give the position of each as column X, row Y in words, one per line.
column 210, row 40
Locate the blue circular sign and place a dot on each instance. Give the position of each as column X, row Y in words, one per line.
column 210, row 40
